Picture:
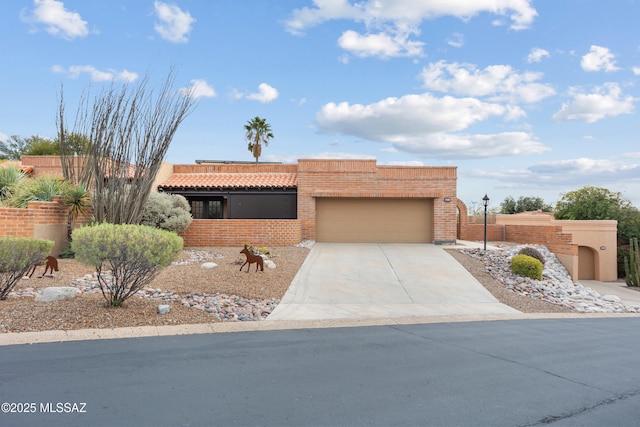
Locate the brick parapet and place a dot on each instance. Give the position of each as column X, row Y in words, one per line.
column 236, row 168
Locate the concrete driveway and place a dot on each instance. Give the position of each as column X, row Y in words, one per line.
column 383, row 280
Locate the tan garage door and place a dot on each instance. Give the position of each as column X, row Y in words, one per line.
column 383, row 220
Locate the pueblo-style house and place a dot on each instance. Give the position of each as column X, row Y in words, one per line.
column 274, row 204
column 322, row 200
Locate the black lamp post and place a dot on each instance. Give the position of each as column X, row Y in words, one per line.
column 485, row 202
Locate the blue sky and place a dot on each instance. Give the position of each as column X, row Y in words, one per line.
column 525, row 97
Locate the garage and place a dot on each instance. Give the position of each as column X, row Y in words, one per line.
column 384, row 220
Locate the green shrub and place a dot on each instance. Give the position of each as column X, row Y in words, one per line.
column 527, row 266
column 17, row 257
column 532, row 252
column 10, row 178
column 37, row 189
column 169, row 212
column 134, row 254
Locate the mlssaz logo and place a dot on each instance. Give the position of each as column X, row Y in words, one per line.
column 64, row 407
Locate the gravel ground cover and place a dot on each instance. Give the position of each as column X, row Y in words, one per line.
column 87, row 310
column 185, row 279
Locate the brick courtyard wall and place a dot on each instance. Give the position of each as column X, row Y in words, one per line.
column 44, row 165
column 475, row 232
column 549, row 235
column 237, row 232
column 363, row 178
column 43, row 220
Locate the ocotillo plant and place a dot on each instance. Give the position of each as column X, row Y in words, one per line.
column 631, row 266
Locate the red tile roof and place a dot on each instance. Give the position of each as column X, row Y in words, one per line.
column 230, row 180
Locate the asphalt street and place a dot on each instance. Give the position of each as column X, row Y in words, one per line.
column 561, row 372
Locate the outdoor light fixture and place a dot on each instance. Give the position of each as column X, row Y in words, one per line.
column 485, row 202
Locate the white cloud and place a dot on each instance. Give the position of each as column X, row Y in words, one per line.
column 382, row 45
column 3, row 137
column 456, row 40
column 599, row 59
column 57, row 20
column 175, row 24
column 425, row 125
column 265, row 94
column 605, row 101
column 499, row 82
column 636, row 71
column 537, row 54
column 568, row 173
column 199, row 89
column 407, row 12
column 472, row 146
column 74, row 71
column 390, row 23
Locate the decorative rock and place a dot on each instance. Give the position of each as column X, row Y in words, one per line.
column 270, row 263
column 611, row 298
column 209, row 265
column 308, row 244
column 56, row 294
column 224, row 308
column 556, row 285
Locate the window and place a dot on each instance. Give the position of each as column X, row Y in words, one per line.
column 206, row 208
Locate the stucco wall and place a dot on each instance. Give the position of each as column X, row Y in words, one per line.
column 564, row 239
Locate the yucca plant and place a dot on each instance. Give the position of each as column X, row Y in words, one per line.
column 10, row 177
column 37, row 189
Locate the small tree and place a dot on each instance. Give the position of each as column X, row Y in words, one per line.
column 258, row 132
column 17, row 256
column 591, row 203
column 169, row 212
column 134, row 254
column 523, row 204
column 129, row 130
column 15, row 147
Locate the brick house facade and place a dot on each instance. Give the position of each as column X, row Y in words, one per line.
column 341, row 182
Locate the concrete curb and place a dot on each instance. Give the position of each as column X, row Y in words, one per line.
column 273, row 325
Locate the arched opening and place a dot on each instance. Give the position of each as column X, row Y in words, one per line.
column 586, row 263
column 462, row 218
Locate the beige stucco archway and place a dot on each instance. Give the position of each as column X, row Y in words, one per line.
column 587, row 263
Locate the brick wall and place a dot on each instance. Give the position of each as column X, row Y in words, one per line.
column 549, row 235
column 363, row 178
column 237, row 232
column 475, row 232
column 43, row 220
column 44, row 165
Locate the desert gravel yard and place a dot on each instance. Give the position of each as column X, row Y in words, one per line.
column 23, row 313
column 87, row 310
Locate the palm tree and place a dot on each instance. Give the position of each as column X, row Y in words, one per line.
column 258, row 133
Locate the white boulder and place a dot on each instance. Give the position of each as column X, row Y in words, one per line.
column 57, row 294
